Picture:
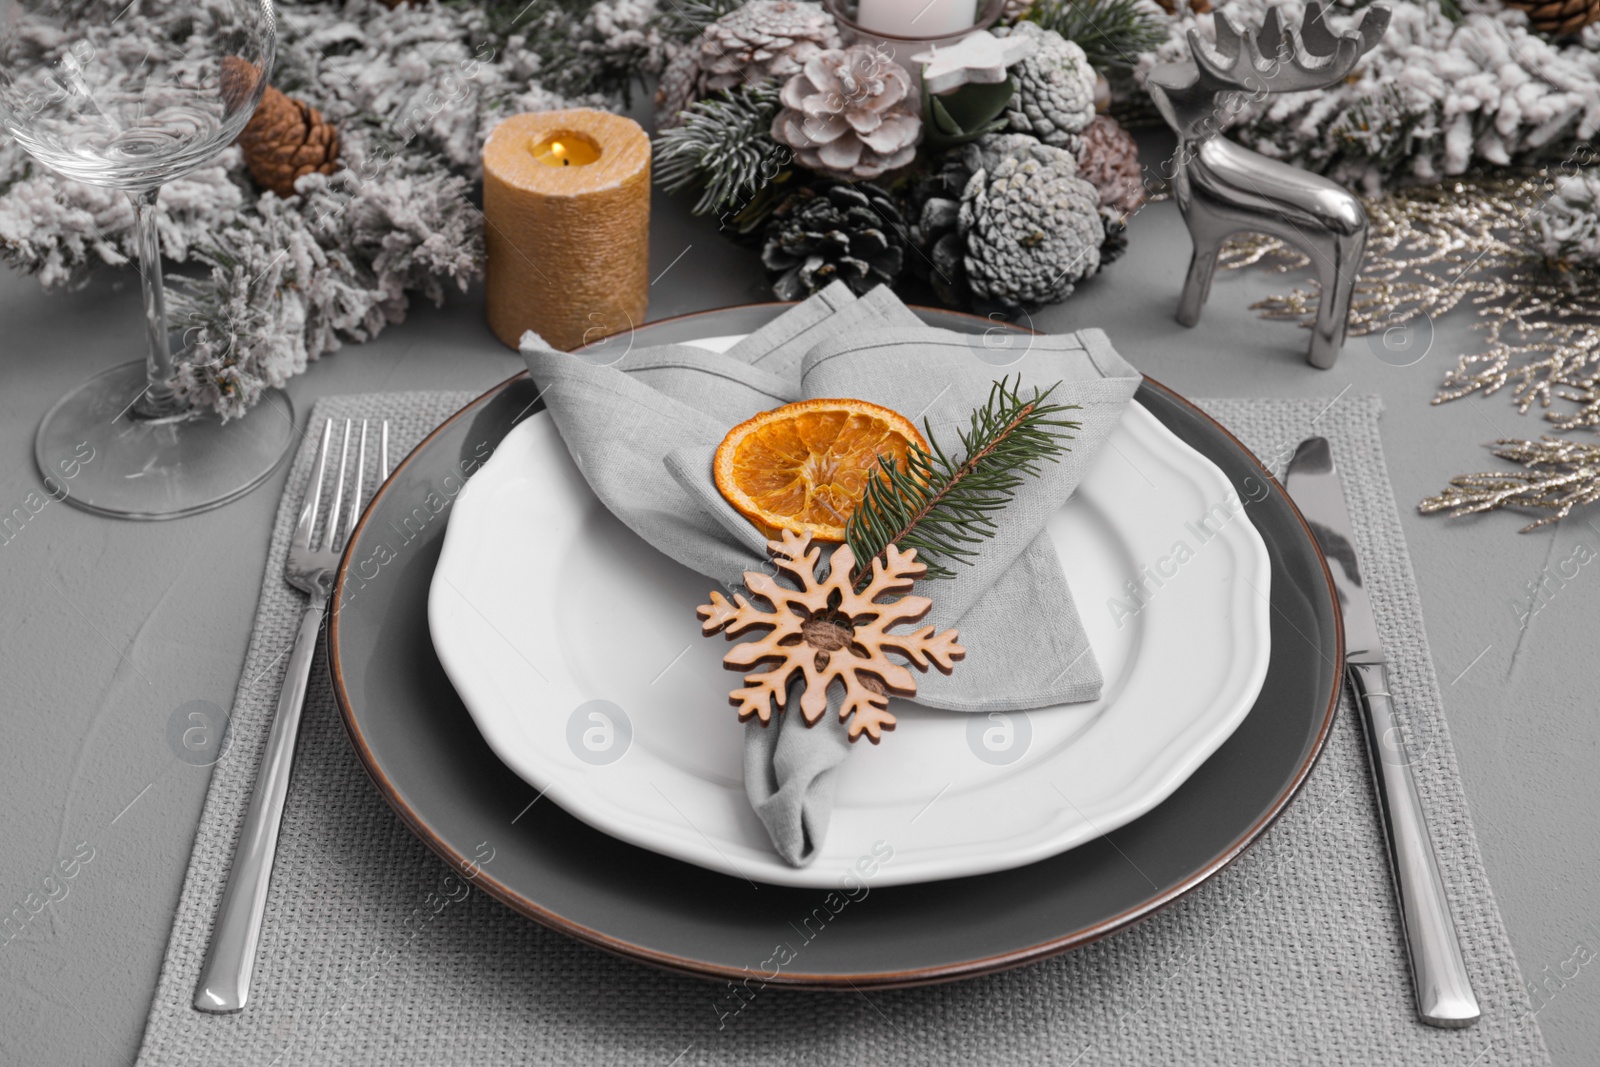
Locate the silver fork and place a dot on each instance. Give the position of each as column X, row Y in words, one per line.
column 231, row 957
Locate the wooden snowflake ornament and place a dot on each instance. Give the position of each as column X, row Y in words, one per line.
column 826, row 631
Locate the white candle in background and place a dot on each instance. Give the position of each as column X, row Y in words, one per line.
column 922, row 19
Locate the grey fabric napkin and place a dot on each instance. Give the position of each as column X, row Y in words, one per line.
column 642, row 429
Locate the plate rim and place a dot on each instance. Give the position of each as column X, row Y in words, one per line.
column 969, row 968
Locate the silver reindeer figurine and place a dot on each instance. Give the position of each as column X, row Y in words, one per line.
column 1223, row 189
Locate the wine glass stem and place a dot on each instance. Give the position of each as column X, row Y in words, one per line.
column 159, row 400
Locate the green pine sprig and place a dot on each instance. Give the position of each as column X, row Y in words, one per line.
column 945, row 508
column 1111, row 33
column 724, row 147
column 684, row 20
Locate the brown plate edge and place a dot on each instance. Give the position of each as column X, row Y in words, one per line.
column 840, row 983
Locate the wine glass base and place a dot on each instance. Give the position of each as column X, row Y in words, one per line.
column 95, row 455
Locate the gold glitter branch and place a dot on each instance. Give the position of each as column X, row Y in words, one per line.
column 1433, row 249
column 1544, row 350
column 1561, row 475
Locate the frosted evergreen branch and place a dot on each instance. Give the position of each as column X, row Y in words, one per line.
column 945, row 508
column 582, row 46
column 414, row 91
column 684, row 20
column 724, row 147
column 1399, row 119
column 1112, row 33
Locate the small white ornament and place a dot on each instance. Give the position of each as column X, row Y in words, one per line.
column 980, row 59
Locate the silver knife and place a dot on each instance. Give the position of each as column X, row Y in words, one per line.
column 1438, row 972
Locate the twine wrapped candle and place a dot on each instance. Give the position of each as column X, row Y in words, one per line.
column 566, row 202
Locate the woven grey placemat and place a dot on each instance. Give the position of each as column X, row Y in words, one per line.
column 1291, row 955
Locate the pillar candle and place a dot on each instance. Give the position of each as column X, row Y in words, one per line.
column 566, row 204
column 922, row 19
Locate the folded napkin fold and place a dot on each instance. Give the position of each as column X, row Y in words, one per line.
column 642, row 429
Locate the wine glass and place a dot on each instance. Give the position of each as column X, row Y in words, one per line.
column 130, row 95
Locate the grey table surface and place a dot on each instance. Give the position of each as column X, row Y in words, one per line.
column 107, row 628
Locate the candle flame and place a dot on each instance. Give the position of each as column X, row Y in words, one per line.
column 564, row 149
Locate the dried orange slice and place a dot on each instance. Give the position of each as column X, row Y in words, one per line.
column 804, row 467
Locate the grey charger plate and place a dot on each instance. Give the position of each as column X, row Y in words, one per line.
column 428, row 760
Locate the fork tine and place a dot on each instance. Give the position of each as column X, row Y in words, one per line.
column 383, row 452
column 338, row 492
column 308, row 511
column 361, row 467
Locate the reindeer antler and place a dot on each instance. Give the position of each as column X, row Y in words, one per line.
column 1276, row 59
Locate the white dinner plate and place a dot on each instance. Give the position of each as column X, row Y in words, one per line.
column 575, row 647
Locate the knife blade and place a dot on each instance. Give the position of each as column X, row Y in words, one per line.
column 1438, row 970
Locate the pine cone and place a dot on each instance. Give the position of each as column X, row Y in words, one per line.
column 763, row 39
column 935, row 200
column 1032, row 227
column 1116, row 241
column 834, row 232
column 994, row 243
column 1055, row 87
column 1197, row 7
column 239, row 78
column 1108, row 159
column 285, row 140
column 1558, row 18
column 679, row 87
column 850, row 114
